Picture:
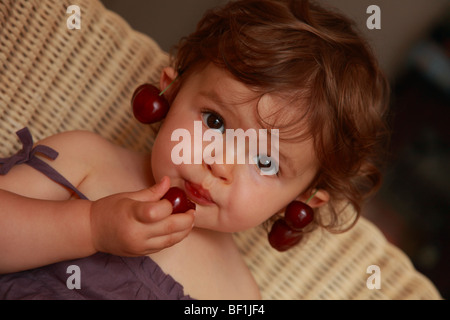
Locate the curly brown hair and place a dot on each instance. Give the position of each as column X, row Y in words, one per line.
column 315, row 56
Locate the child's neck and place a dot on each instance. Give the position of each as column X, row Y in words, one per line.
column 200, row 253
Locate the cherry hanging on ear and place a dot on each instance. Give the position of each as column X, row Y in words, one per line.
column 149, row 105
column 298, row 215
column 287, row 232
column 282, row 237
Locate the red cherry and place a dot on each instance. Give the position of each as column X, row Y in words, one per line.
column 148, row 105
column 298, row 215
column 179, row 200
column 281, row 237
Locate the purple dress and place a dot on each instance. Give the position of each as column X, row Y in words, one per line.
column 100, row 276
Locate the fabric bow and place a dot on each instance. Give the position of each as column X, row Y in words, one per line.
column 28, row 156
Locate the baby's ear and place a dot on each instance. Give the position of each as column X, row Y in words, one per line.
column 320, row 198
column 168, row 75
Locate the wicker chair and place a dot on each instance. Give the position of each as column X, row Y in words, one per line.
column 54, row 79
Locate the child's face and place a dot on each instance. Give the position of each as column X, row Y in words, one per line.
column 240, row 197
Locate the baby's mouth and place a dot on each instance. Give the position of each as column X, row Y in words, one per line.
column 196, row 193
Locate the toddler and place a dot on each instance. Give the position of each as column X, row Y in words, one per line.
column 251, row 64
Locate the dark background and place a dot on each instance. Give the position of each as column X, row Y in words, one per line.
column 413, row 46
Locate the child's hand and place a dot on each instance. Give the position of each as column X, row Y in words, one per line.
column 138, row 223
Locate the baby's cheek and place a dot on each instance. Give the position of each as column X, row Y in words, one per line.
column 243, row 213
column 160, row 165
column 162, row 162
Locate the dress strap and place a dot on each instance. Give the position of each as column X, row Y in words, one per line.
column 28, row 156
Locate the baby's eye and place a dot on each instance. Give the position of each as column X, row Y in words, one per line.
column 266, row 165
column 213, row 121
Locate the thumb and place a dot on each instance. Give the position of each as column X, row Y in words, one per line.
column 154, row 193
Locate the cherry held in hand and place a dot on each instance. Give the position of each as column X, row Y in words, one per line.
column 149, row 105
column 179, row 200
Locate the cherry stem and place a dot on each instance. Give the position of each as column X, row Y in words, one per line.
column 162, row 92
column 312, row 196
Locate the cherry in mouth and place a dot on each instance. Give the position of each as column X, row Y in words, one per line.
column 179, row 200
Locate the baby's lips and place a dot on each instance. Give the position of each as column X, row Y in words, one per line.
column 179, row 200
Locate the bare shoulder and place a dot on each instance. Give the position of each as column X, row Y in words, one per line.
column 85, row 147
column 99, row 167
column 78, row 143
column 78, row 153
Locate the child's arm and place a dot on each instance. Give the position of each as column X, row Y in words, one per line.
column 35, row 232
column 38, row 232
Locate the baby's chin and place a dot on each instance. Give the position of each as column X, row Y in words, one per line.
column 203, row 222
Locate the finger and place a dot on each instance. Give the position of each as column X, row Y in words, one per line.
column 152, row 212
column 155, row 192
column 172, row 224
column 168, row 240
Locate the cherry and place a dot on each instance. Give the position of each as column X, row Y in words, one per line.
column 149, row 106
column 298, row 215
column 179, row 200
column 282, row 237
column 287, row 232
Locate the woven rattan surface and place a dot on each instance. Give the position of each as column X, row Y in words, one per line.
column 54, row 79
